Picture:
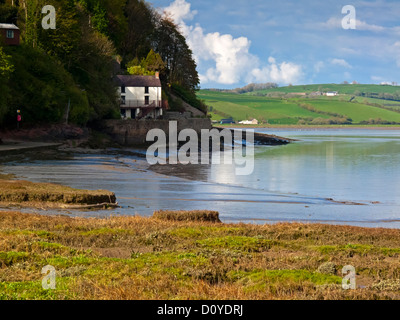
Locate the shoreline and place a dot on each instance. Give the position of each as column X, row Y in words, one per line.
column 322, row 127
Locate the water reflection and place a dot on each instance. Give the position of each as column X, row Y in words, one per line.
column 344, row 166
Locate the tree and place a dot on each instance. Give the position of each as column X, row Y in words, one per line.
column 97, row 15
column 148, row 66
column 154, row 62
column 8, row 13
column 32, row 10
column 6, row 68
column 174, row 51
column 139, row 71
column 140, row 26
column 65, row 39
column 74, row 62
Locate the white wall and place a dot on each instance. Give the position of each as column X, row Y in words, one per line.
column 138, row 93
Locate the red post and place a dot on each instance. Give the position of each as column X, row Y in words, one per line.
column 19, row 118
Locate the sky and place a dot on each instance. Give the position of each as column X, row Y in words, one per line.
column 236, row 42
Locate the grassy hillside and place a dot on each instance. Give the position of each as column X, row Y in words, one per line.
column 358, row 112
column 355, row 104
column 239, row 107
column 341, row 88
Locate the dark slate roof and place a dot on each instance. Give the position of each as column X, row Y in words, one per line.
column 137, row 81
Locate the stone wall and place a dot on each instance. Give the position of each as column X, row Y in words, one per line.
column 133, row 132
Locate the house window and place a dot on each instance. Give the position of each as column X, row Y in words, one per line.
column 146, row 100
column 10, row 34
column 146, row 90
column 123, row 89
column 123, row 101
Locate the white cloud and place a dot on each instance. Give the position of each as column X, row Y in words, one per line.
column 180, row 11
column 362, row 25
column 341, row 62
column 286, row 72
column 336, row 23
column 230, row 58
column 332, row 23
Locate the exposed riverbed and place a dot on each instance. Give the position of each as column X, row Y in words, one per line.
column 329, row 176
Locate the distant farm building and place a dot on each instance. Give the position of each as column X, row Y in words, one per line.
column 332, row 94
column 140, row 96
column 254, row 121
column 227, row 121
column 9, row 34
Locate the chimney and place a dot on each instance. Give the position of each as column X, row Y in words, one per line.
column 157, row 75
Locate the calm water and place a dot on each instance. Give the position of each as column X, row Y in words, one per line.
column 290, row 183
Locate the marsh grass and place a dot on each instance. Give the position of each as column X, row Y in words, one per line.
column 194, row 215
column 150, row 258
column 31, row 194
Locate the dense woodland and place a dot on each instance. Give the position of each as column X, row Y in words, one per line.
column 74, row 64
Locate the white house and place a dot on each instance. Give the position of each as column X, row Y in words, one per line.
column 140, row 96
column 332, row 94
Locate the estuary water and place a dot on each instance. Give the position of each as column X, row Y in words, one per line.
column 335, row 176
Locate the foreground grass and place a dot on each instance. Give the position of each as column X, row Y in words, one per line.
column 149, row 258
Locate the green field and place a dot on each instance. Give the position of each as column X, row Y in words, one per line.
column 241, row 107
column 289, row 109
column 356, row 111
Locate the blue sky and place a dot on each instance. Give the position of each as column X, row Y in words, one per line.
column 237, row 42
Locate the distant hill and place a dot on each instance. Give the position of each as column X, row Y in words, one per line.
column 341, row 88
column 306, row 104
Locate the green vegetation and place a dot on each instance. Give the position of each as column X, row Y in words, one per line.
column 148, row 66
column 355, row 104
column 134, row 258
column 69, row 71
